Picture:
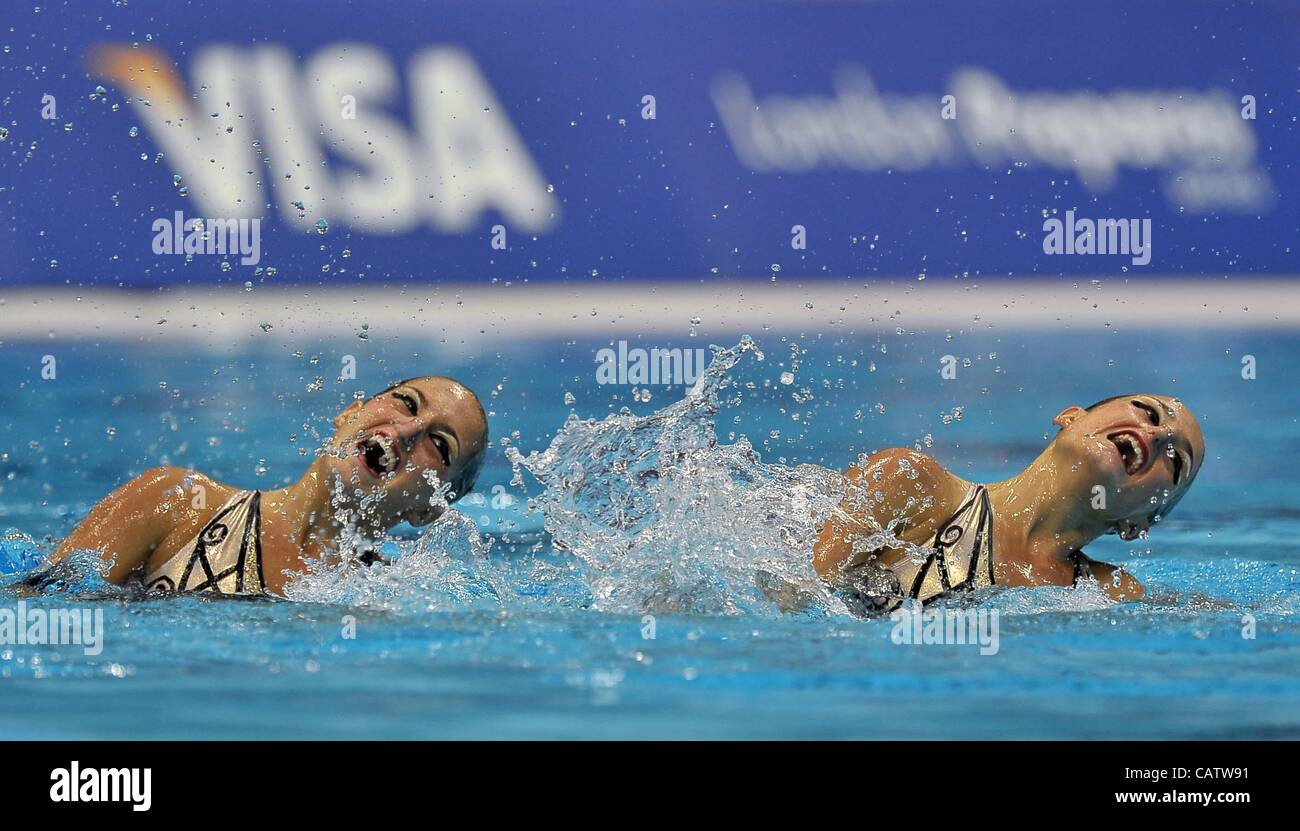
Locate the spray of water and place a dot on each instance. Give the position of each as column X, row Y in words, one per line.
column 664, row 518
column 447, row 567
column 82, row 572
column 660, row 516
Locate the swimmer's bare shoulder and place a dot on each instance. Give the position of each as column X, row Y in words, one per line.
column 129, row 524
column 899, row 486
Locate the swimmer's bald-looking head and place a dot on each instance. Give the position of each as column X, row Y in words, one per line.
column 1144, row 449
column 395, row 439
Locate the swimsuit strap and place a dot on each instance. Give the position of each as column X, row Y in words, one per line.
column 1082, row 568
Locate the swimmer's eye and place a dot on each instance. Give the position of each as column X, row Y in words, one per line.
column 408, row 401
column 1152, row 412
column 1182, row 465
column 443, row 447
column 1154, row 415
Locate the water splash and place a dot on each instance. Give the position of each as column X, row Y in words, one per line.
column 19, row 552
column 83, row 572
column 666, row 519
column 447, row 567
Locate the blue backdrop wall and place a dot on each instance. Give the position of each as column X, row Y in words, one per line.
column 404, row 141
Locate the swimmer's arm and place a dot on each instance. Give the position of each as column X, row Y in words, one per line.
column 129, row 523
column 1118, row 584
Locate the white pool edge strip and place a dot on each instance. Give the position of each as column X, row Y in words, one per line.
column 467, row 313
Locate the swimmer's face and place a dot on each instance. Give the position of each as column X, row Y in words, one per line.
column 395, row 440
column 1144, row 449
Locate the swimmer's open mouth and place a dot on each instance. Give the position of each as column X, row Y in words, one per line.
column 1132, row 450
column 379, row 455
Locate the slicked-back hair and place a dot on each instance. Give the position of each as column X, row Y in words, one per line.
column 1092, row 407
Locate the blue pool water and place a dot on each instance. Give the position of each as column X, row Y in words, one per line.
column 484, row 628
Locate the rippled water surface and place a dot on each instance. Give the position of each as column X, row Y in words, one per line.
column 646, row 619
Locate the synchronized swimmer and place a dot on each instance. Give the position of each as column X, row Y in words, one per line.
column 393, row 450
column 907, row 530
column 1116, row 467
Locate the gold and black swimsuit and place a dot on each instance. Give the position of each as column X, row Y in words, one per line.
column 961, row 553
column 225, row 557
column 960, row 559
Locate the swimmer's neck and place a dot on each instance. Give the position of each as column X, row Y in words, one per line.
column 1043, row 512
column 308, row 506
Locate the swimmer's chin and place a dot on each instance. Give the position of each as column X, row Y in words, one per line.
column 1103, row 466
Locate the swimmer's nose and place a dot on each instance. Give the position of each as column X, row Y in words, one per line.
column 1162, row 439
column 410, row 431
